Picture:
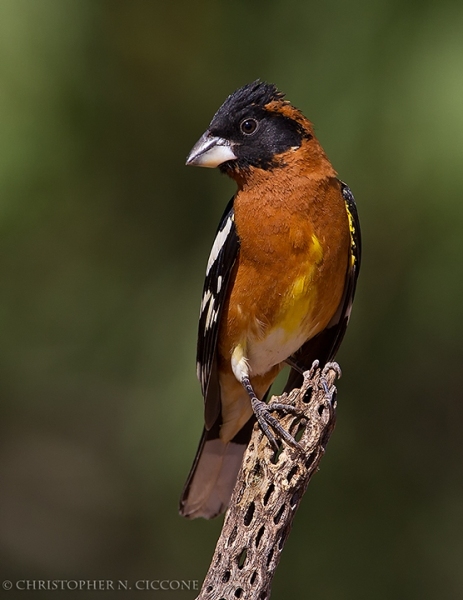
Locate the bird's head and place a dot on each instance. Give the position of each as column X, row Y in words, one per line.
column 252, row 128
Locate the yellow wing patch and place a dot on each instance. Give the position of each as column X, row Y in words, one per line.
column 353, row 233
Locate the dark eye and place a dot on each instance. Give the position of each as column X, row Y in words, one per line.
column 249, row 126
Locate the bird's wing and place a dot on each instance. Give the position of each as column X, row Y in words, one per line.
column 219, row 269
column 325, row 345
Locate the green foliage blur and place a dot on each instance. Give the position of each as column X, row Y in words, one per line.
column 104, row 236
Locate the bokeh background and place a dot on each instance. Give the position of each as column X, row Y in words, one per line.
column 104, row 236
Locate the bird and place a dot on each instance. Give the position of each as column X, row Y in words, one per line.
column 279, row 284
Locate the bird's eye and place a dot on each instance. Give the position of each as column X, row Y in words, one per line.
column 249, row 126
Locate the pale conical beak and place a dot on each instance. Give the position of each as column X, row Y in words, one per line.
column 210, row 151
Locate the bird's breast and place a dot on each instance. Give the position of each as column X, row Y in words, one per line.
column 289, row 277
column 296, row 315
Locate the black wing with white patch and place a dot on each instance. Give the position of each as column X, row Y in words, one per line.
column 219, row 268
column 325, row 345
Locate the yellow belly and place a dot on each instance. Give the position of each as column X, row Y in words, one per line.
column 296, row 321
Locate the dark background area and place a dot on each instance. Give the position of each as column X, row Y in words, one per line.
column 104, row 237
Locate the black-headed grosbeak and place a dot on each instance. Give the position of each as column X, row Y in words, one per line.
column 280, row 280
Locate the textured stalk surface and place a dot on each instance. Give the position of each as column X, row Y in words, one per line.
column 268, row 492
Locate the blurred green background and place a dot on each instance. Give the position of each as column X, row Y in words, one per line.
column 104, row 236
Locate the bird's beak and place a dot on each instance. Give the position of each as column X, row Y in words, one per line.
column 210, row 151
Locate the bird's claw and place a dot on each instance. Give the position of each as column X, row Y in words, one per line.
column 267, row 421
column 329, row 393
column 332, row 366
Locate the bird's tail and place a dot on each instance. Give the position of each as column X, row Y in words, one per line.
column 209, row 486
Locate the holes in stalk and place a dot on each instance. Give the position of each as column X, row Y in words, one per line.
column 269, row 557
column 300, row 429
column 253, row 578
column 295, row 498
column 259, row 535
column 268, row 493
column 233, row 535
column 277, row 517
column 239, row 592
column 310, row 459
column 292, row 473
column 308, row 396
column 226, row 576
column 249, row 514
column 276, row 454
column 242, row 558
column 283, row 536
column 256, row 470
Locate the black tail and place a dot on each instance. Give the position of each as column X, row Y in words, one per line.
column 213, row 475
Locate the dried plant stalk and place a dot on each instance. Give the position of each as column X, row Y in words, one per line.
column 268, row 492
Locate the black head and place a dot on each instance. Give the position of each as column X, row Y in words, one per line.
column 245, row 132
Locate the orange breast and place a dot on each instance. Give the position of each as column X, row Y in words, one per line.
column 291, row 269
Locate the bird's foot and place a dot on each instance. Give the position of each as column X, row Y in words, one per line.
column 267, row 421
